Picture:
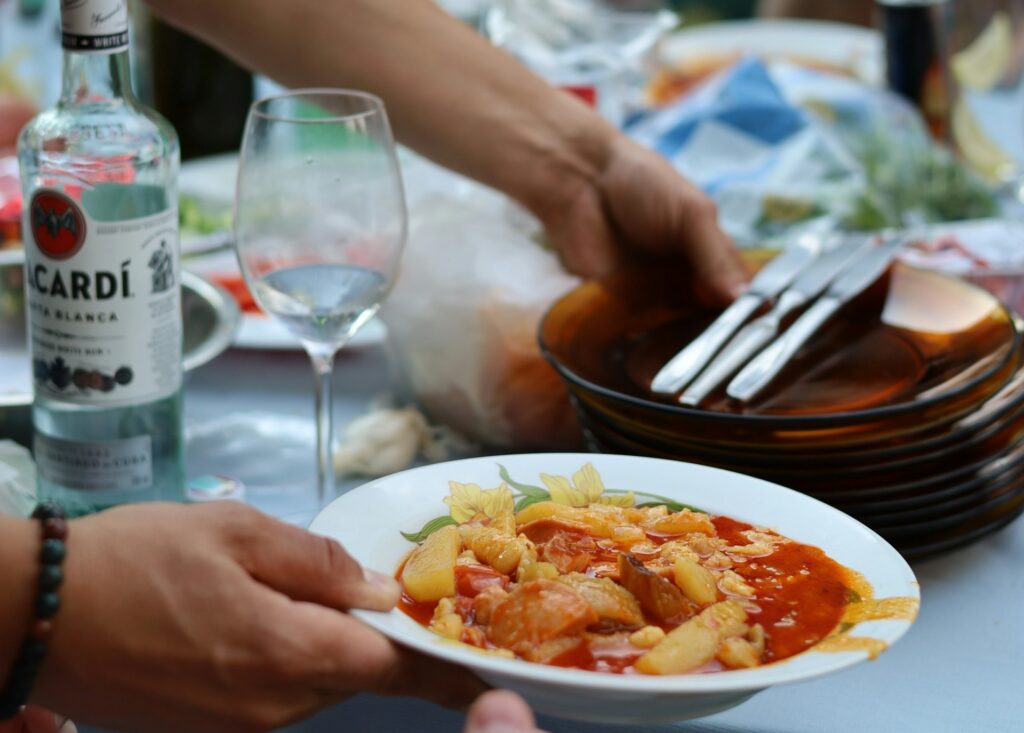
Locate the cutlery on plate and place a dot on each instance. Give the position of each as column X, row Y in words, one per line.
column 757, row 334
column 760, row 372
column 765, row 286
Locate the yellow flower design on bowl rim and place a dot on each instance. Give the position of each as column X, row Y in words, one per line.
column 466, row 501
column 586, row 488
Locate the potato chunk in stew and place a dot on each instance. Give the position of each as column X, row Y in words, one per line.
column 429, row 573
column 696, row 581
column 695, row 642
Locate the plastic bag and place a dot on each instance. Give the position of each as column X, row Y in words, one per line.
column 463, row 317
column 388, row 439
column 17, row 479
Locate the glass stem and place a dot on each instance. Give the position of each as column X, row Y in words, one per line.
column 323, row 367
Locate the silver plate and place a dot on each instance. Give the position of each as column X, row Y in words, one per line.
column 210, row 315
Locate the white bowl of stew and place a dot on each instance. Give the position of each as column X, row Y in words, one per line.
column 807, row 589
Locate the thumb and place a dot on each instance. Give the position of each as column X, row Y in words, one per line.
column 308, row 567
column 500, row 711
column 719, row 272
column 37, row 720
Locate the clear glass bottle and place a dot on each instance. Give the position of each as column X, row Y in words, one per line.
column 99, row 176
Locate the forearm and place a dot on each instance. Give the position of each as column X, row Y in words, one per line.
column 449, row 93
column 19, row 568
column 847, row 12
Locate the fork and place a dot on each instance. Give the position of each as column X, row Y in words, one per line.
column 766, row 285
column 757, row 334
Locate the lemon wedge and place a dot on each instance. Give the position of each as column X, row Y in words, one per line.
column 982, row 64
column 976, row 147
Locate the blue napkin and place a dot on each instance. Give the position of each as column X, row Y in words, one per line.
column 769, row 142
column 744, row 98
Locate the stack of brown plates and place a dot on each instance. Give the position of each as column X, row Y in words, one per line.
column 906, row 411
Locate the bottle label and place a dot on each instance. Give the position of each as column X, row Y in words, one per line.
column 100, row 466
column 94, row 26
column 104, row 304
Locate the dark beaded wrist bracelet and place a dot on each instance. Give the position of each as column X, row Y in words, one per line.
column 26, row 665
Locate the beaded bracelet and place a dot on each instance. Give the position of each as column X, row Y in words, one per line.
column 15, row 693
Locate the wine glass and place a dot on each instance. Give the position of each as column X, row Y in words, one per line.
column 320, row 224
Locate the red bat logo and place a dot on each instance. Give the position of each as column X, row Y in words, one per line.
column 58, row 226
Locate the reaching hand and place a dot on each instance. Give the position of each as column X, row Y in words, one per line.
column 639, row 205
column 218, row 618
column 602, row 197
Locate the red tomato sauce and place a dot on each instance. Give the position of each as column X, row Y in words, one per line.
column 421, row 613
column 617, row 659
column 800, row 590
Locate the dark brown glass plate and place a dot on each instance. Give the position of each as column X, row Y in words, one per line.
column 1012, row 461
column 929, row 547
column 842, row 487
column 957, row 444
column 910, row 447
column 1002, row 502
column 971, row 494
column 917, row 350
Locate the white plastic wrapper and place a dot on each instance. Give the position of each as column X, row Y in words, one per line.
column 17, row 479
column 464, row 314
column 387, row 439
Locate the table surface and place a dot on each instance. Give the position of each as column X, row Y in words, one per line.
column 959, row 669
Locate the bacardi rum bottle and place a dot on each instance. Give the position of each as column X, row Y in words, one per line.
column 99, row 177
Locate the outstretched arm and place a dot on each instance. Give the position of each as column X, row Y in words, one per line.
column 205, row 618
column 473, row 108
column 859, row 13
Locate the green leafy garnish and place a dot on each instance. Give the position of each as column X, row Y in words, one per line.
column 909, row 181
column 429, row 528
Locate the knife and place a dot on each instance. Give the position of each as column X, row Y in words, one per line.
column 766, row 285
column 759, row 333
column 760, row 372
